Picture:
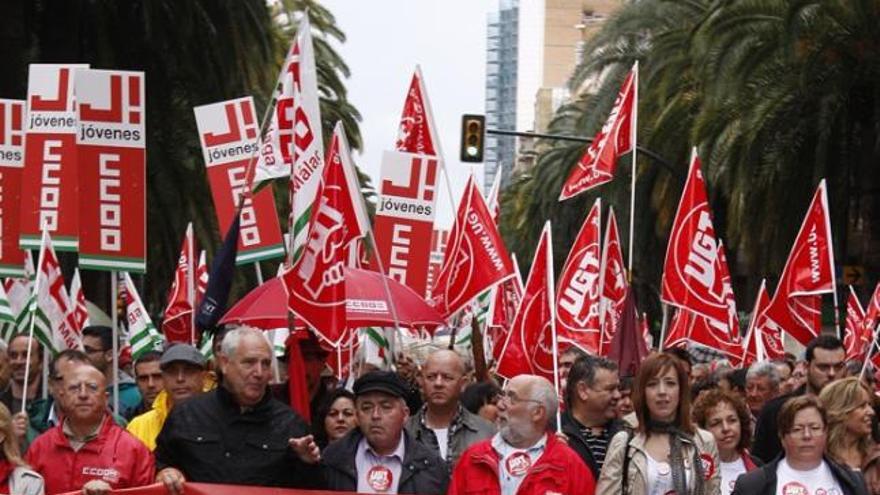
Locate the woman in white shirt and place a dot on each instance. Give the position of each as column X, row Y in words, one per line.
column 802, row 469
column 666, row 453
column 726, row 416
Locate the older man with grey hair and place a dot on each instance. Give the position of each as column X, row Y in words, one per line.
column 523, row 457
column 762, row 384
column 237, row 433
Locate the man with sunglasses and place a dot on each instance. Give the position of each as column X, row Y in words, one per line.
column 88, row 451
column 826, row 362
column 523, row 457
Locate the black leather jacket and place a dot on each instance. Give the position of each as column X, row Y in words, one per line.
column 211, row 440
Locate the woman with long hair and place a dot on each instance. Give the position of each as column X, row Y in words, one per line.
column 850, row 415
column 666, row 453
column 15, row 475
column 726, row 416
column 335, row 417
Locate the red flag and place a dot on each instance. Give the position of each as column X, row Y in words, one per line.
column 505, row 300
column 316, row 283
column 614, row 284
column 646, row 329
column 872, row 314
column 530, row 344
column 808, row 273
column 753, row 347
column 416, row 133
column 628, row 348
column 201, row 278
column 679, row 330
column 177, row 323
column 616, row 138
column 475, row 258
column 79, row 311
column 579, row 287
column 727, row 293
column 852, row 335
column 691, row 273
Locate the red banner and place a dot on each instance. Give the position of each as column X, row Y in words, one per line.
column 808, row 273
column 11, row 164
column 215, row 489
column 597, row 165
column 614, row 284
column 476, row 257
column 692, row 278
column 229, row 133
column 404, row 219
column 111, row 143
column 579, row 287
column 529, row 348
column 49, row 182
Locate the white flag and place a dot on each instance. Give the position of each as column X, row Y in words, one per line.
column 142, row 333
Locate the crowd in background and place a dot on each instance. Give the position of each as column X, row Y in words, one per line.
column 793, row 426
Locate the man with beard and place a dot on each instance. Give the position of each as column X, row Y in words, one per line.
column 590, row 419
column 18, row 359
column 380, row 456
column 523, row 457
column 826, row 362
column 442, row 424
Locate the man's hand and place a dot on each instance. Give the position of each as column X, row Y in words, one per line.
column 172, row 479
column 306, row 449
column 19, row 425
column 96, row 487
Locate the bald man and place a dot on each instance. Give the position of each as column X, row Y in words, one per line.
column 88, row 451
column 442, row 424
column 523, row 457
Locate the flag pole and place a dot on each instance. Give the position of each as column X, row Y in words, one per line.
column 870, row 351
column 114, row 316
column 429, row 113
column 392, row 306
column 632, row 185
column 191, row 286
column 663, row 325
column 33, row 312
column 824, row 187
column 551, row 293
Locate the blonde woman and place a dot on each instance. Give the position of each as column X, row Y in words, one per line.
column 850, row 413
column 15, row 475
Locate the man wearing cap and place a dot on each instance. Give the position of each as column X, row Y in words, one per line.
column 183, row 373
column 523, row 457
column 237, row 433
column 380, row 456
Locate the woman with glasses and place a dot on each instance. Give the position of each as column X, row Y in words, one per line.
column 15, row 476
column 850, row 415
column 666, row 453
column 802, row 469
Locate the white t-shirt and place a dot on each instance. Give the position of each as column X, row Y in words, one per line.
column 442, row 435
column 818, row 481
column 730, row 471
column 660, row 477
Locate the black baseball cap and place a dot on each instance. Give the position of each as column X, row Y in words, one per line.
column 381, row 381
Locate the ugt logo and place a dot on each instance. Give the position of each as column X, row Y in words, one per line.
column 322, row 261
column 239, row 122
column 126, row 102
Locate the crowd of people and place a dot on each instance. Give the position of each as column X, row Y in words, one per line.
column 789, row 427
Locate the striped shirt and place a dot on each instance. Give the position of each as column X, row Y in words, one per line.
column 598, row 444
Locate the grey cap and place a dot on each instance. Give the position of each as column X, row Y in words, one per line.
column 184, row 353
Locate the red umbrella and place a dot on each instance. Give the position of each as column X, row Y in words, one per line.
column 368, row 305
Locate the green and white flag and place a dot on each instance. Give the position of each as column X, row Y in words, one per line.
column 143, row 336
column 7, row 318
column 50, row 306
column 377, row 349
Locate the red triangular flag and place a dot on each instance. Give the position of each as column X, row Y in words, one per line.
column 416, row 133
column 852, row 335
column 753, row 348
column 691, row 274
column 808, row 273
column 530, row 344
column 177, row 322
column 475, row 258
column 872, row 314
column 579, row 288
column 616, row 138
column 315, row 283
column 614, row 284
column 679, row 330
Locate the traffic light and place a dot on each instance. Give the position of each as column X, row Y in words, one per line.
column 473, row 132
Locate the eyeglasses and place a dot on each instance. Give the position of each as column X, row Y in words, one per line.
column 511, row 397
column 91, row 388
column 800, row 430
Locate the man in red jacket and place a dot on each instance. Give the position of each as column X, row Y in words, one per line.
column 88, row 451
column 523, row 458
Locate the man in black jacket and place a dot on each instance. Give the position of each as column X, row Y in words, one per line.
column 589, row 422
column 380, row 456
column 825, row 358
column 237, row 433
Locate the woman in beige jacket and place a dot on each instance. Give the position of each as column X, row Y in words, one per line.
column 664, row 453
